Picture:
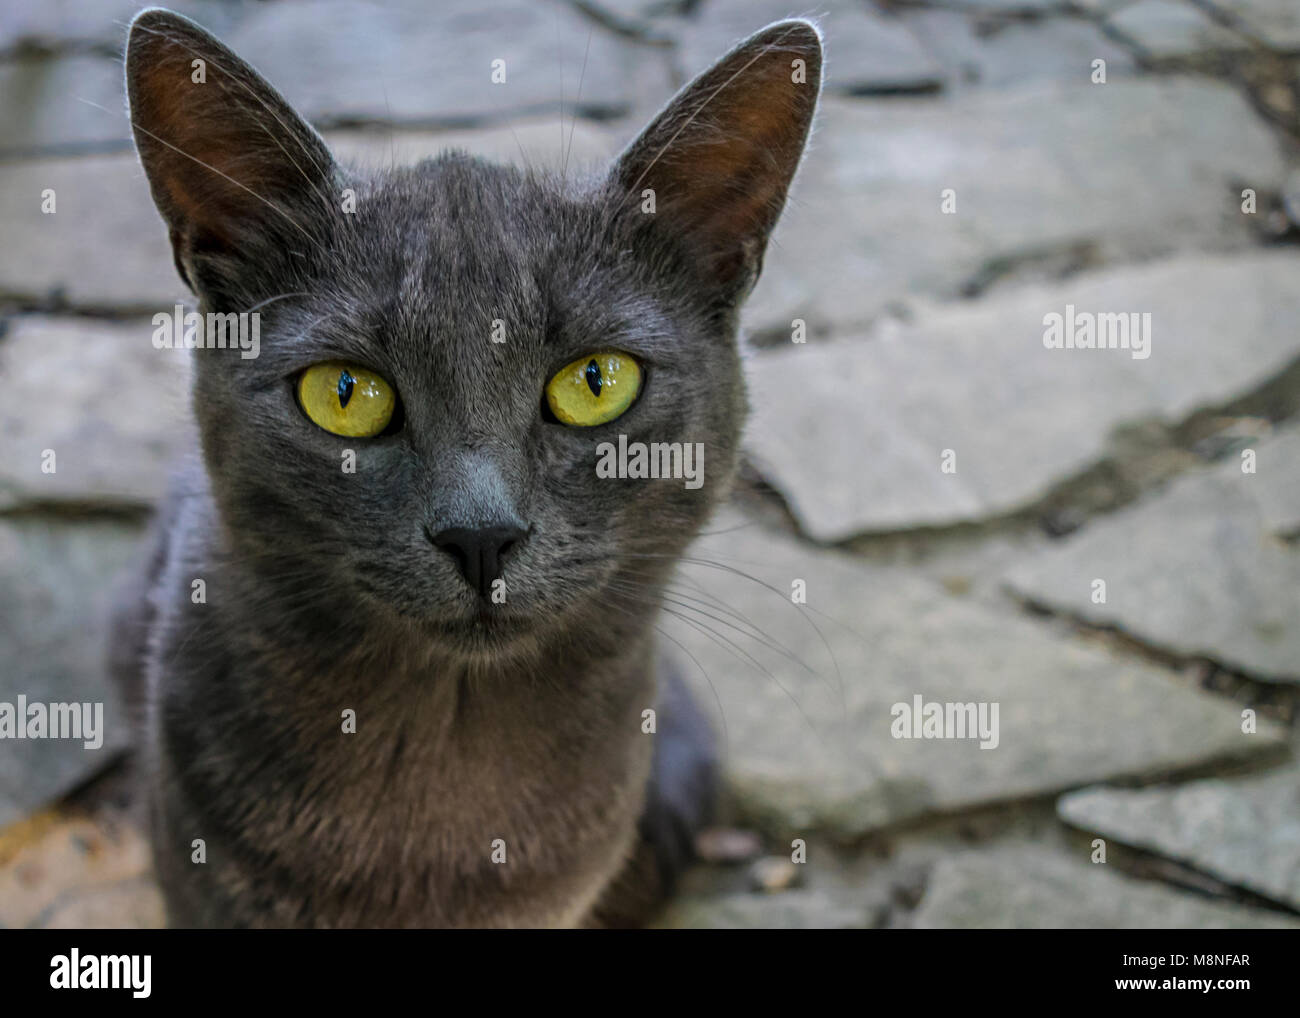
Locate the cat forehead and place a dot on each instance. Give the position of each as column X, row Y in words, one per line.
column 456, row 230
column 441, row 252
column 471, row 206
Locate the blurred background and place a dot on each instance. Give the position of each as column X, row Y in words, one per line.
column 948, row 490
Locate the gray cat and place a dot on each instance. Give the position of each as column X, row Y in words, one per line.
column 409, row 688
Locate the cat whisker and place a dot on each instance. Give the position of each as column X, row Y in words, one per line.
column 748, row 628
column 737, row 651
column 722, row 713
column 573, row 122
column 559, row 53
column 271, row 300
column 265, row 201
column 709, row 563
column 522, row 154
column 741, row 653
column 323, row 171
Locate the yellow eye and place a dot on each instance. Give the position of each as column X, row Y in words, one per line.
column 594, row 389
column 345, row 399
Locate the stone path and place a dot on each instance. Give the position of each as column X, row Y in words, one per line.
column 1212, row 532
column 1029, row 889
column 1245, row 831
column 1045, row 415
column 932, row 493
column 804, row 693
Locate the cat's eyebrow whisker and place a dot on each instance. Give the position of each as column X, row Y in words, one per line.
column 322, row 170
column 573, row 121
column 271, row 300
column 519, row 145
column 325, row 201
column 99, row 106
column 266, row 201
column 392, row 127
column 559, row 54
column 311, row 326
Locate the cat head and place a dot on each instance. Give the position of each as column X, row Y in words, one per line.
column 463, row 367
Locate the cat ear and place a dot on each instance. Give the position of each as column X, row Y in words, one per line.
column 720, row 157
column 229, row 162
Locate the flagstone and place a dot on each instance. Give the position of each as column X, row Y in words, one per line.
column 811, row 730
column 1244, row 831
column 56, row 581
column 1026, row 888
column 1215, row 577
column 876, row 413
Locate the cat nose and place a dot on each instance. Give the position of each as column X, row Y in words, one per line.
column 478, row 551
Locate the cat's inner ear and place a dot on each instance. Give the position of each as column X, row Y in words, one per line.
column 716, row 164
column 228, row 160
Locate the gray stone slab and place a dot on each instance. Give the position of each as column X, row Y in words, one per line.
column 805, row 725
column 645, row 19
column 55, row 582
column 1026, row 888
column 1166, row 29
column 1014, row 52
column 1278, row 489
column 1243, row 831
column 865, row 51
column 876, row 414
column 81, row 25
column 106, row 247
column 1034, row 169
column 1100, row 7
column 70, row 102
column 61, row 71
column 1031, row 7
column 103, row 248
column 1212, row 579
column 343, row 62
column 109, row 406
column 411, row 61
column 788, row 910
column 1275, row 22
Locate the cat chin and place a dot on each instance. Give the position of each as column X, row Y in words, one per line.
column 484, row 638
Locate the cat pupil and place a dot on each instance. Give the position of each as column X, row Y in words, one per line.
column 346, row 381
column 593, row 378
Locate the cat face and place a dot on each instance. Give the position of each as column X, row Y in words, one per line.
column 473, row 442
column 471, row 381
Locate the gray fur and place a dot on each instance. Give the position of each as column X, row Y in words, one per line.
column 475, row 721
